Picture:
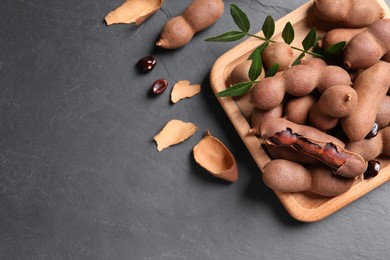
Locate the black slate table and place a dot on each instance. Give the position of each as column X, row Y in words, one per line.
column 80, row 176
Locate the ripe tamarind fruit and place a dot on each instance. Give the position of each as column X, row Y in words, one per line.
column 286, row 176
column 371, row 148
column 383, row 116
column 199, row 15
column 298, row 81
column 335, row 102
column 240, row 74
column 297, row 109
column 350, row 13
column 258, row 116
column 369, row 46
column 280, row 53
column 371, row 86
column 339, row 35
column 277, row 132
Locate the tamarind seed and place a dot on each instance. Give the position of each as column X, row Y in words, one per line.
column 372, row 169
column 146, row 64
column 374, row 131
column 159, row 86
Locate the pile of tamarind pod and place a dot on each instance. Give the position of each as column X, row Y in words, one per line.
column 325, row 125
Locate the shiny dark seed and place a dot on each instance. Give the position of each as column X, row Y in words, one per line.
column 146, row 64
column 372, row 169
column 374, row 131
column 159, row 86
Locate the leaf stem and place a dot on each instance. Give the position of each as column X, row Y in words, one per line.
column 293, row 47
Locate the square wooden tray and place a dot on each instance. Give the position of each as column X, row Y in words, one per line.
column 302, row 206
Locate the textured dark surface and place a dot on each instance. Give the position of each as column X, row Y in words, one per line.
column 80, row 176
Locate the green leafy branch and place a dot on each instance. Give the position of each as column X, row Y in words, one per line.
column 268, row 28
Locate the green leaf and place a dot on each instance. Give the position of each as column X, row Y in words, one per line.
column 335, row 49
column 309, row 40
column 298, row 60
column 260, row 48
column 288, row 33
column 240, row 18
column 268, row 27
column 272, row 71
column 256, row 66
column 227, row 37
column 236, row 90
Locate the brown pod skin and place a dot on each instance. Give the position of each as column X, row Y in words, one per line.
column 383, row 116
column 350, row 13
column 335, row 102
column 339, row 35
column 298, row 81
column 275, row 125
column 199, row 15
column 280, row 53
column 240, row 74
column 371, row 86
column 315, row 63
column 285, row 176
column 324, row 182
column 258, row 116
column 368, row 47
column 371, row 148
column 288, row 153
column 297, row 109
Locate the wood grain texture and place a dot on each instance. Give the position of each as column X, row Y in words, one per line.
column 302, row 206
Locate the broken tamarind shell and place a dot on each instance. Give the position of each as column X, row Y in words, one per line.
column 174, row 132
column 344, row 162
column 133, row 11
column 215, row 157
column 182, row 89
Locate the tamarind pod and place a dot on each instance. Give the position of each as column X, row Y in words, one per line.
column 280, row 53
column 316, row 63
column 240, row 74
column 286, row 176
column 335, row 102
column 297, row 109
column 371, row 86
column 344, row 162
column 369, row 46
column 275, row 125
column 383, row 116
column 324, row 182
column 339, row 35
column 199, row 15
column 331, row 76
column 350, row 13
column 298, row 81
column 259, row 116
column 371, row 148
column 288, row 153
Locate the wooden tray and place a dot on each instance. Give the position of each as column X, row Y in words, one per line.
column 302, row 206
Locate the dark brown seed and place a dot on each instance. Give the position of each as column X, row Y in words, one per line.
column 374, row 131
column 146, row 64
column 159, row 86
column 372, row 169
